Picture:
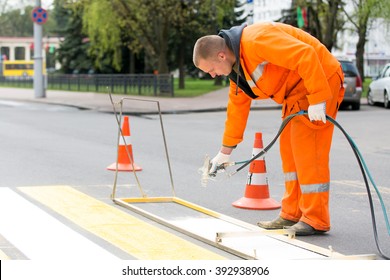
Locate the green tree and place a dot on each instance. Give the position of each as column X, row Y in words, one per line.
column 323, row 19
column 16, row 23
column 145, row 27
column 73, row 51
column 195, row 19
column 361, row 16
column 332, row 22
column 164, row 30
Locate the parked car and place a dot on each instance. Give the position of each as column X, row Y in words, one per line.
column 379, row 88
column 352, row 84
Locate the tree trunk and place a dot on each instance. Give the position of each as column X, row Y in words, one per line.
column 182, row 72
column 132, row 62
column 331, row 24
column 360, row 52
column 162, row 47
column 218, row 80
column 162, row 63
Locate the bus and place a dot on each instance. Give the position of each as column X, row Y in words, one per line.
column 18, row 68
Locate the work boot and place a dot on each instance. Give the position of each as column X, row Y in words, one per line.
column 278, row 223
column 303, row 229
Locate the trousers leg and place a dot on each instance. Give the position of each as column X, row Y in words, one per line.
column 305, row 148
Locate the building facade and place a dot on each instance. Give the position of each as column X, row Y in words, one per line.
column 22, row 48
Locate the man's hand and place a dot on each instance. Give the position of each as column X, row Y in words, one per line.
column 316, row 112
column 217, row 161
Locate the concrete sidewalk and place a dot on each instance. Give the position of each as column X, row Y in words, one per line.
column 214, row 101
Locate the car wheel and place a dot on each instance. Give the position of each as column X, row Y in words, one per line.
column 370, row 100
column 355, row 106
column 386, row 100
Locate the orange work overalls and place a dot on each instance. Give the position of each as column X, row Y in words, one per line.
column 294, row 69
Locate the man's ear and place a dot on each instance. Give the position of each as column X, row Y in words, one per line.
column 221, row 55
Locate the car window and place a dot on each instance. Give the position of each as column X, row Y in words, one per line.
column 382, row 73
column 387, row 72
column 349, row 69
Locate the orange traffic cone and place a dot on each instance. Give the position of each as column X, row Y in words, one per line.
column 256, row 193
column 125, row 151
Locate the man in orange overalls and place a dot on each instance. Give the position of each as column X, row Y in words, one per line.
column 286, row 64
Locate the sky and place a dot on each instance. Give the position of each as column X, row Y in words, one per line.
column 45, row 4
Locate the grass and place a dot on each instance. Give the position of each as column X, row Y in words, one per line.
column 366, row 83
column 195, row 87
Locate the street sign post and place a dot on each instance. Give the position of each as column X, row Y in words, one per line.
column 39, row 17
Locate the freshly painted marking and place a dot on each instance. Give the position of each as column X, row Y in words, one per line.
column 3, row 256
column 130, row 234
column 40, row 236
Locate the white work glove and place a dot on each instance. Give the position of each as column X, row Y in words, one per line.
column 217, row 161
column 316, row 112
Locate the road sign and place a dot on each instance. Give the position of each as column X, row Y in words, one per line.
column 39, row 15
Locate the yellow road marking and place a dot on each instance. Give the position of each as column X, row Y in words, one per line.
column 134, row 236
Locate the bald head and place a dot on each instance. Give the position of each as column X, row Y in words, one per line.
column 207, row 47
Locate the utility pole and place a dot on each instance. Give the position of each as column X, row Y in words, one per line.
column 37, row 16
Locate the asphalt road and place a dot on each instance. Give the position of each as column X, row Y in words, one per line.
column 55, row 145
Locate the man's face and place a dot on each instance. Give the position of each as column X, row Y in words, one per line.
column 219, row 66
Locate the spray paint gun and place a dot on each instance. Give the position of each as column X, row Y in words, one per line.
column 207, row 175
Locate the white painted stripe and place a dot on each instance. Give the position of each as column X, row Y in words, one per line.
column 3, row 256
column 39, row 236
column 127, row 140
column 257, row 179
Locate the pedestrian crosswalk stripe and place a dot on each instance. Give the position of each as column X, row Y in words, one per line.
column 3, row 256
column 39, row 236
column 134, row 236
